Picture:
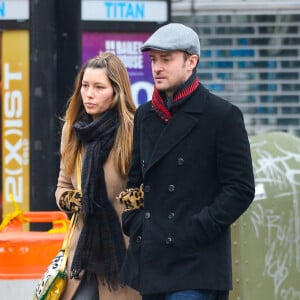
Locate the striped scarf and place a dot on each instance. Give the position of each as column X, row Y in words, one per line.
column 166, row 107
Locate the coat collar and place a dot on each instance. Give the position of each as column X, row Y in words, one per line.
column 197, row 101
column 195, row 104
column 166, row 136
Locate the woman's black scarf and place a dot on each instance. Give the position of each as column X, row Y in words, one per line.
column 166, row 107
column 100, row 249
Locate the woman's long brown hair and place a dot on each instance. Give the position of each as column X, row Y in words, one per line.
column 118, row 76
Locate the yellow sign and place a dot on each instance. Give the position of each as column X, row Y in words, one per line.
column 15, row 119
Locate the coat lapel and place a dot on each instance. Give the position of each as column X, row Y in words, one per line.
column 169, row 135
column 153, row 126
column 164, row 137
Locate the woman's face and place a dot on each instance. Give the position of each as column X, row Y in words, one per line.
column 96, row 92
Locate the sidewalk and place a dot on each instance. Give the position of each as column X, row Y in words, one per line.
column 17, row 289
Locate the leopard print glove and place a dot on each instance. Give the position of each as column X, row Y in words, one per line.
column 132, row 198
column 70, row 201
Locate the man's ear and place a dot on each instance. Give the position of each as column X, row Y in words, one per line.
column 193, row 60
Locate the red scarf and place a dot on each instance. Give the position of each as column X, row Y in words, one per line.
column 165, row 110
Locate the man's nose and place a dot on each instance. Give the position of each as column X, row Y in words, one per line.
column 156, row 66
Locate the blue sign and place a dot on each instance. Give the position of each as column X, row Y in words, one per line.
column 130, row 11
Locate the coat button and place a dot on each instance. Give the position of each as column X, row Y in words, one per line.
column 171, row 188
column 143, row 164
column 147, row 188
column 171, row 215
column 138, row 239
column 169, row 240
column 147, row 215
column 180, row 161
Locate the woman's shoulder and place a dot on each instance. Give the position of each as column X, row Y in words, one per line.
column 65, row 132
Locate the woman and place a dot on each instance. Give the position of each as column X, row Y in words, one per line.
column 97, row 133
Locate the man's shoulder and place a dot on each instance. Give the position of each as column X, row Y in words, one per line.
column 217, row 105
column 218, row 101
column 146, row 106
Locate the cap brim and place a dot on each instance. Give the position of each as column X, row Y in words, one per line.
column 148, row 48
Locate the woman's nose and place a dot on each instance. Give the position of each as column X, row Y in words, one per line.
column 89, row 91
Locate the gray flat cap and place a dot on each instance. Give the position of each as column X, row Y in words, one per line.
column 173, row 36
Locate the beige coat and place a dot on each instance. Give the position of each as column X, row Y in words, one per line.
column 115, row 184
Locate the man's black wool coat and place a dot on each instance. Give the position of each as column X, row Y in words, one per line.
column 198, row 179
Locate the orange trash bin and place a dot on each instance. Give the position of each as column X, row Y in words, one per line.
column 27, row 254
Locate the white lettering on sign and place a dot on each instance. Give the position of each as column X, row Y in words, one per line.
column 139, row 87
column 130, row 54
column 136, row 11
column 13, row 136
column 128, row 51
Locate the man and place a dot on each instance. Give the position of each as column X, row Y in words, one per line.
column 191, row 154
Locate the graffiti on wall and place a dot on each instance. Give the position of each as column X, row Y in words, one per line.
column 274, row 218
